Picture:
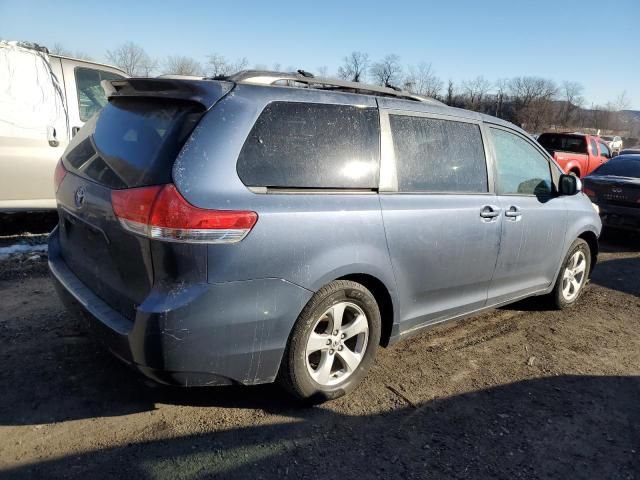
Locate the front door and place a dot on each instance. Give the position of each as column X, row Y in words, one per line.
column 534, row 218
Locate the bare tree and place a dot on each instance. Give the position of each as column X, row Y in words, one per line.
column 181, row 65
column 475, row 90
column 132, row 58
column 323, row 71
column 450, row 93
column 532, row 100
column 422, row 79
column 602, row 116
column 622, row 101
column 218, row 65
column 388, row 71
column 572, row 100
column 354, row 67
column 526, row 89
column 59, row 49
column 82, row 55
column 501, row 87
column 618, row 120
column 240, row 64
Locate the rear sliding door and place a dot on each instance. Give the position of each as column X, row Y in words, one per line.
column 440, row 214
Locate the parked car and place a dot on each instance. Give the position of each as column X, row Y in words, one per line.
column 615, row 188
column 576, row 153
column 630, row 151
column 232, row 231
column 43, row 103
column 614, row 143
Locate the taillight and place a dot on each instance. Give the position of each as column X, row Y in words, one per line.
column 59, row 175
column 160, row 212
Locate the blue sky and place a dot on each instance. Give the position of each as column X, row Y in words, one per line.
column 584, row 41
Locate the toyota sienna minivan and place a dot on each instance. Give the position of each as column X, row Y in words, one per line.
column 269, row 226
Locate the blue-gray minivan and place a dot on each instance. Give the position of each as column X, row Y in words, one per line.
column 272, row 226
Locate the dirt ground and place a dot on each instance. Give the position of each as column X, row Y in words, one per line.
column 519, row 392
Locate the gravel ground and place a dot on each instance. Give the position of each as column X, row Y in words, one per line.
column 518, row 392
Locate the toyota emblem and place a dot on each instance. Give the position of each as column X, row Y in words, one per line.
column 79, row 197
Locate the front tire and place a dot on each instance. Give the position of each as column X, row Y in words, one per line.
column 333, row 343
column 573, row 276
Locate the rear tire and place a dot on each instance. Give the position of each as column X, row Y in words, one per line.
column 333, row 343
column 573, row 276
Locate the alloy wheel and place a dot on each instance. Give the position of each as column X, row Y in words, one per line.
column 337, row 343
column 574, row 275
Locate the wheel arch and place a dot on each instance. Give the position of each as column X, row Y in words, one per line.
column 590, row 236
column 592, row 240
column 574, row 169
column 383, row 297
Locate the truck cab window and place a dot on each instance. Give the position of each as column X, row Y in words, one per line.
column 91, row 97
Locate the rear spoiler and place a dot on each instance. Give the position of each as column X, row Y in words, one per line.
column 204, row 92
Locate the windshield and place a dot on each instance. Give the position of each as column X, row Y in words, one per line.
column 563, row 142
column 620, row 167
column 608, row 139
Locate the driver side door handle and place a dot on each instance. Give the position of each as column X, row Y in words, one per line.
column 490, row 211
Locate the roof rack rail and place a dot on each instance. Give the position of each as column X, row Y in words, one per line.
column 305, row 79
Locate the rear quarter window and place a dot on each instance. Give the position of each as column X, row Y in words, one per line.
column 306, row 145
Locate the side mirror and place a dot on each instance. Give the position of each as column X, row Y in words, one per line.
column 569, row 185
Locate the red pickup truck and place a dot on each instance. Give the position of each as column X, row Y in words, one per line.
column 576, row 153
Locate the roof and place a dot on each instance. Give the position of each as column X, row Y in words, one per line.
column 304, row 79
column 89, row 61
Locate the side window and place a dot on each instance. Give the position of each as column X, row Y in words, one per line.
column 307, row 145
column 605, row 150
column 91, row 97
column 594, row 148
column 522, row 169
column 434, row 155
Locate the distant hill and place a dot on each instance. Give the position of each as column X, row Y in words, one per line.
column 634, row 114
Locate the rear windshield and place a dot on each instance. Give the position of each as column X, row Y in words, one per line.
column 620, row 167
column 563, row 142
column 134, row 141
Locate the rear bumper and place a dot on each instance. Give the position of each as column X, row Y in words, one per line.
column 192, row 334
column 627, row 218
